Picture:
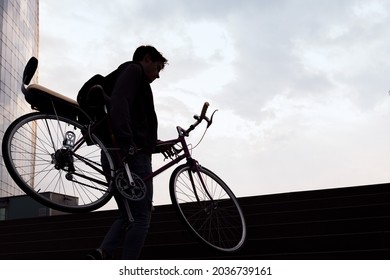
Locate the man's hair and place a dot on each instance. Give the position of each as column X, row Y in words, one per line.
column 155, row 55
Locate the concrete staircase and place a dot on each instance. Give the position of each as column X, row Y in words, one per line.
column 344, row 223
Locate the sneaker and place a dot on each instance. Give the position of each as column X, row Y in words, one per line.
column 96, row 254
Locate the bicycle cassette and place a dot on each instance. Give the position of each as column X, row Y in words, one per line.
column 135, row 191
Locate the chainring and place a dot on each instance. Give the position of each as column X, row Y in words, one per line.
column 134, row 192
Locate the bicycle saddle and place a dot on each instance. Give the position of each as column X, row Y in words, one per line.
column 42, row 92
column 49, row 101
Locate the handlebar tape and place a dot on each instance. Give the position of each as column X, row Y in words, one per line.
column 204, row 109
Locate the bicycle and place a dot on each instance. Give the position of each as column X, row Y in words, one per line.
column 54, row 155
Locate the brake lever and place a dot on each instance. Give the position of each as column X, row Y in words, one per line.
column 210, row 121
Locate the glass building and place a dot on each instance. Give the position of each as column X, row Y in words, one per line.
column 19, row 40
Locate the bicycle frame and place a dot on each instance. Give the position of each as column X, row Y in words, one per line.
column 175, row 158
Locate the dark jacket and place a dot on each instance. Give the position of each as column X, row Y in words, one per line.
column 132, row 110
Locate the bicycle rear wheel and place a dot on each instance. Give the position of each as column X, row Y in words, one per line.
column 208, row 207
column 51, row 160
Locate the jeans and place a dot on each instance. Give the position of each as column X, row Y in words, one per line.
column 131, row 235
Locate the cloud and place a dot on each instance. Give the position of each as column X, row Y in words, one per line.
column 311, row 50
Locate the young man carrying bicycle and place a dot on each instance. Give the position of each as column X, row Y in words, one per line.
column 134, row 124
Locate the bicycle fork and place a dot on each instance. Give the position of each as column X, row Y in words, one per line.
column 203, row 188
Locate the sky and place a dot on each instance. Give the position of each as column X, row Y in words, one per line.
column 301, row 86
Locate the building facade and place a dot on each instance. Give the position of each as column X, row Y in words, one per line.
column 19, row 40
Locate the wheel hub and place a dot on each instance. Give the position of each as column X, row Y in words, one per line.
column 63, row 159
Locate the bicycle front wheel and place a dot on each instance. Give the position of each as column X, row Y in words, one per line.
column 57, row 162
column 208, row 207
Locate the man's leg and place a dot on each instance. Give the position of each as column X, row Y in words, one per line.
column 141, row 210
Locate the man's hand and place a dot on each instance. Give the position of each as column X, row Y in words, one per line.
column 128, row 152
column 165, row 149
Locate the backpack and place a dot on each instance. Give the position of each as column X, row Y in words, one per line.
column 93, row 99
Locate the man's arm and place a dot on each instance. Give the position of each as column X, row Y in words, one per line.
column 128, row 84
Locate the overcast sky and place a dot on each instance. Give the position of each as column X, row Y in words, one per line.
column 301, row 86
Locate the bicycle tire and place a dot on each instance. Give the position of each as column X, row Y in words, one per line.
column 50, row 170
column 219, row 222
